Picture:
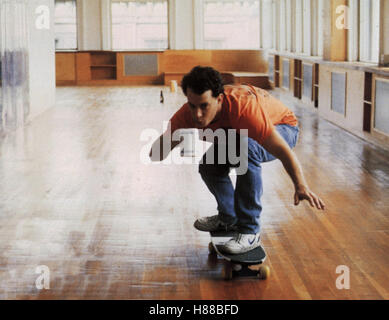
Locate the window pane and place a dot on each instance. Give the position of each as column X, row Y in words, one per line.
column 139, row 25
column 369, row 30
column 65, row 24
column 298, row 26
column 381, row 110
column 231, row 24
column 320, row 28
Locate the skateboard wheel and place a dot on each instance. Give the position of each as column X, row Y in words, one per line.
column 227, row 272
column 264, row 272
column 212, row 261
column 211, row 248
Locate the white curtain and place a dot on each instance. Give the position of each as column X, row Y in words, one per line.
column 14, row 102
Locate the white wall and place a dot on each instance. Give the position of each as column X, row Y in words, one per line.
column 89, row 24
column 182, row 24
column 41, row 57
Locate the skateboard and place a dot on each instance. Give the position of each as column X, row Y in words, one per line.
column 238, row 265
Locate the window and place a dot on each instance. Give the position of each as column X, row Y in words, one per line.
column 319, row 31
column 65, row 24
column 288, row 25
column 316, row 30
column 282, row 24
column 284, row 16
column 363, row 30
column 307, row 26
column 275, row 29
column 266, row 24
column 369, row 26
column 297, row 26
column 353, row 30
column 139, row 24
column 231, row 24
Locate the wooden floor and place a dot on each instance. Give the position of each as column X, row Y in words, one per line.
column 75, row 197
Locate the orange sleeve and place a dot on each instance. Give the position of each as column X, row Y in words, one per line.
column 253, row 117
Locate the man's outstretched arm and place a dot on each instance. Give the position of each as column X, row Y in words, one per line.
column 278, row 147
column 162, row 147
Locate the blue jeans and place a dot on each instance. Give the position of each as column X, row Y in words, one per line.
column 242, row 206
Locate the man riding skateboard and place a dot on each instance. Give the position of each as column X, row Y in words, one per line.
column 272, row 130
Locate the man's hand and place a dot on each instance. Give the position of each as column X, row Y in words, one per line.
column 303, row 193
column 278, row 147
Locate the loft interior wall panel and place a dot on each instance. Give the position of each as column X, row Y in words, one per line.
column 271, row 69
column 15, row 105
column 65, row 66
column 381, row 108
column 140, row 65
column 238, row 60
column 41, row 59
column 285, row 74
column 183, row 61
column 338, row 92
column 307, row 87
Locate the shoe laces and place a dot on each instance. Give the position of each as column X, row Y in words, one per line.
column 238, row 238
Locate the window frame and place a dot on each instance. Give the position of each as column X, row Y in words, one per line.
column 76, row 23
column 369, row 35
column 199, row 18
column 168, row 16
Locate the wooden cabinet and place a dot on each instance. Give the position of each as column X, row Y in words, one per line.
column 277, row 71
column 153, row 67
column 65, row 66
column 316, row 85
column 83, row 66
column 379, row 107
column 297, row 79
column 367, row 102
column 103, row 65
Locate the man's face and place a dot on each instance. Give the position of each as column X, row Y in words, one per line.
column 204, row 108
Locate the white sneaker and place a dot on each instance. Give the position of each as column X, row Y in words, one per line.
column 241, row 243
column 212, row 223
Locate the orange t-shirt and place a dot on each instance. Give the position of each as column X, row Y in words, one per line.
column 244, row 107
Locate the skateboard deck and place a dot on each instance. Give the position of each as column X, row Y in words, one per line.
column 252, row 257
column 237, row 265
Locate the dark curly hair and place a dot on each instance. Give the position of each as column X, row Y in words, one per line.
column 201, row 79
